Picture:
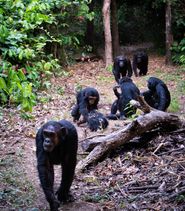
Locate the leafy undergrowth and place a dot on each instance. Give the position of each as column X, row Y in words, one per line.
column 147, row 175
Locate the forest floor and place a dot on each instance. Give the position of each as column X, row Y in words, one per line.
column 149, row 176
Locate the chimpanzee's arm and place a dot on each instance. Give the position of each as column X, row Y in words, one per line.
column 83, row 109
column 46, row 173
column 129, row 68
column 116, row 91
column 116, row 72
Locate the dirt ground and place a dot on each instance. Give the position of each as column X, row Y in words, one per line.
column 148, row 175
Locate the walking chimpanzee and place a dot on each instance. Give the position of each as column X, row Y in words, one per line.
column 158, row 95
column 129, row 91
column 87, row 100
column 140, row 61
column 121, row 67
column 56, row 143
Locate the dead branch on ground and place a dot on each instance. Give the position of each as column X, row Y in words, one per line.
column 151, row 119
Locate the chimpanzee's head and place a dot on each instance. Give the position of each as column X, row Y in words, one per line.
column 124, row 79
column 52, row 135
column 152, row 83
column 91, row 96
column 121, row 61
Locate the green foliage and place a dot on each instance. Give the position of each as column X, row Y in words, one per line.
column 178, row 50
column 33, row 34
column 15, row 89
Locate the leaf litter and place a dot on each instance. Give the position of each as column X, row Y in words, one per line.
column 147, row 175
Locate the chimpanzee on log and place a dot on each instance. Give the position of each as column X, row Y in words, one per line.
column 96, row 120
column 140, row 61
column 122, row 67
column 129, row 91
column 87, row 100
column 158, row 95
column 56, row 143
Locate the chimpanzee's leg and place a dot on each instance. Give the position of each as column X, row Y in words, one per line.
column 75, row 113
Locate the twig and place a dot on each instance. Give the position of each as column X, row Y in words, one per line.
column 144, row 187
column 173, row 150
column 178, row 131
column 123, row 193
column 160, row 145
column 177, row 194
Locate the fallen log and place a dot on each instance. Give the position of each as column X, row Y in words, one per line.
column 151, row 120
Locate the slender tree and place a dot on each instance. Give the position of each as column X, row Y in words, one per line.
column 114, row 29
column 169, row 36
column 107, row 32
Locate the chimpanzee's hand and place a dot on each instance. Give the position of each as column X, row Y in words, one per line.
column 116, row 87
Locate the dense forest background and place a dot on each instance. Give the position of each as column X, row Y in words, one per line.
column 49, row 49
column 41, row 38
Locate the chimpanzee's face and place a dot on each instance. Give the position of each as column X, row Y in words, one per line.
column 139, row 59
column 92, row 100
column 121, row 62
column 50, row 139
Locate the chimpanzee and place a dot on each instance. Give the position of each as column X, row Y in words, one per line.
column 56, row 143
column 122, row 67
column 96, row 120
column 158, row 95
column 140, row 61
column 129, row 91
column 87, row 100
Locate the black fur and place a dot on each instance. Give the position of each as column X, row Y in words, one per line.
column 96, row 120
column 64, row 154
column 82, row 106
column 140, row 61
column 158, row 95
column 122, row 67
column 129, row 91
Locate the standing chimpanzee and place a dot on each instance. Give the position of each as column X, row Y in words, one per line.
column 96, row 120
column 87, row 100
column 122, row 67
column 56, row 143
column 140, row 61
column 129, row 91
column 158, row 95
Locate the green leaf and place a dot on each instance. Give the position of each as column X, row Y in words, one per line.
column 47, row 66
column 21, row 54
column 21, row 75
column 2, row 83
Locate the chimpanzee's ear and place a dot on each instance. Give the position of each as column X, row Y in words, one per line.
column 63, row 131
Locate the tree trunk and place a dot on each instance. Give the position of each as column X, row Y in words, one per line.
column 169, row 36
column 107, row 32
column 114, row 29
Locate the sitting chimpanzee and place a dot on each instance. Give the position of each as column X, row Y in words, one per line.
column 87, row 100
column 140, row 61
column 122, row 67
column 56, row 143
column 158, row 95
column 96, row 120
column 129, row 91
